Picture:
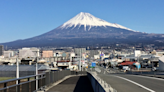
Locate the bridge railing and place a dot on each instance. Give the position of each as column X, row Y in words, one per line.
column 28, row 83
column 22, row 84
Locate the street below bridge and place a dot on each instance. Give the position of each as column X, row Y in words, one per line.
column 133, row 83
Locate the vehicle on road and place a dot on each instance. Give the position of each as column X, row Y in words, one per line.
column 126, row 68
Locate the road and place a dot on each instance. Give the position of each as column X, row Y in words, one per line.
column 133, row 83
column 73, row 84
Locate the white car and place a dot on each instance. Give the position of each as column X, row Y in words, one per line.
column 126, row 68
column 155, row 69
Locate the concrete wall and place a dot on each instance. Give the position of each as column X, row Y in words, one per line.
column 95, row 84
column 161, row 65
column 98, row 84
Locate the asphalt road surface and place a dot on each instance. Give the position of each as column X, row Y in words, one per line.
column 133, row 83
column 73, row 84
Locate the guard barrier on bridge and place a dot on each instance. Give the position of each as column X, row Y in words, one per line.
column 98, row 84
column 35, row 82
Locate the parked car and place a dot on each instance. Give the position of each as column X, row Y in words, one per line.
column 154, row 69
column 126, row 68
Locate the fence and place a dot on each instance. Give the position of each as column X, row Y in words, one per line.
column 28, row 83
column 13, row 73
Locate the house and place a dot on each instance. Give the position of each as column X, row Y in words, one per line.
column 126, row 63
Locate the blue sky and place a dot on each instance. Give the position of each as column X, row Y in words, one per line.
column 21, row 19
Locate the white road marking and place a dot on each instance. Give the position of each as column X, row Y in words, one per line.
column 136, row 83
column 147, row 77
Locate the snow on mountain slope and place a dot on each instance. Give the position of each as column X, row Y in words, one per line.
column 87, row 19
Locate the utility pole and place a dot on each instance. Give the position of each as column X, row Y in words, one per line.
column 17, row 75
column 17, row 72
column 80, row 61
column 36, row 73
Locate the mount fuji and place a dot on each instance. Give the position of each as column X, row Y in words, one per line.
column 84, row 30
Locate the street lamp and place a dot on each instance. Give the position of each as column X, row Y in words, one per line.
column 36, row 73
column 17, row 71
column 80, row 61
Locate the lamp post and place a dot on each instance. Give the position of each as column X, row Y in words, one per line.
column 36, row 73
column 138, row 62
column 17, row 72
column 80, row 61
column 17, row 75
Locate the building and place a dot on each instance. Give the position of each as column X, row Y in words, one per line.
column 8, row 61
column 47, row 54
column 80, row 50
column 93, row 52
column 8, row 54
column 137, row 53
column 57, row 53
column 1, row 50
column 161, row 63
column 160, row 53
column 35, row 51
column 26, row 53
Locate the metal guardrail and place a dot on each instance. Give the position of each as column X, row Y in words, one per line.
column 28, row 83
column 25, row 84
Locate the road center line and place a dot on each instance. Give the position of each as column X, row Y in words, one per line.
column 136, row 83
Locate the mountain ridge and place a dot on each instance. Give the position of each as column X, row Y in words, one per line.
column 87, row 19
column 78, row 31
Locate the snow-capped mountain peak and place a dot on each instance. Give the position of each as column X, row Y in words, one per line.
column 86, row 19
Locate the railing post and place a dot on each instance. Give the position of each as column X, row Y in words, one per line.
column 42, row 81
column 49, row 77
column 18, row 87
column 53, row 76
column 5, row 85
column 28, row 87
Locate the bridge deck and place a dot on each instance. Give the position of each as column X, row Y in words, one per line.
column 73, row 84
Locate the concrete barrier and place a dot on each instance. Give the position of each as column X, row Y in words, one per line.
column 98, row 84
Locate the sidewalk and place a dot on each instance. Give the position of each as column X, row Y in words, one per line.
column 73, row 84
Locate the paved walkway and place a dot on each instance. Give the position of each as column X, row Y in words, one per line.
column 73, row 84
